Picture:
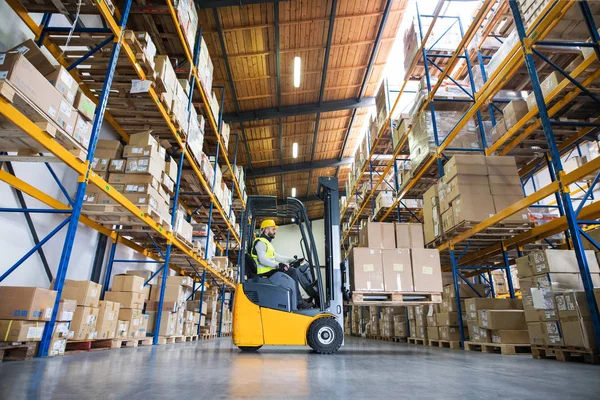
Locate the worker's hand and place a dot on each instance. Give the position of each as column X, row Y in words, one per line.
column 283, row 267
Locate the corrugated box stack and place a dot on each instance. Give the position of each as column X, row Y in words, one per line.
column 372, row 327
column 474, row 188
column 54, row 92
column 417, row 321
column 173, row 316
column 555, row 306
column 211, row 322
column 62, row 327
column 199, row 311
column 500, row 282
column 392, row 258
column 226, row 321
column 203, row 239
column 85, row 317
column 393, row 322
column 24, row 312
column 128, row 290
column 498, row 321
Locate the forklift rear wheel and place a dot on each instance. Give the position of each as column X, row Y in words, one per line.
column 249, row 348
column 325, row 335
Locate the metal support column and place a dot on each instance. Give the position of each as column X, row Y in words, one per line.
column 509, row 281
column 221, row 314
column 202, row 283
column 81, row 187
column 461, row 329
column 109, row 266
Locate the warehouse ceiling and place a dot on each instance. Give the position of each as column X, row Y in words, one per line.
column 343, row 46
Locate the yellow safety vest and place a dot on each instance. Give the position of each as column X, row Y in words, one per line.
column 270, row 254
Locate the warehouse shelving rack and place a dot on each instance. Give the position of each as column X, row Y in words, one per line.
column 476, row 256
column 157, row 234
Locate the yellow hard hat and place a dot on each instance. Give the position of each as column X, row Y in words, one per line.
column 267, row 223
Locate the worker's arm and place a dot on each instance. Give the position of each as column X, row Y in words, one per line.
column 261, row 252
column 283, row 259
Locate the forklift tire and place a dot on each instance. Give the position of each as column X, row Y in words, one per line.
column 325, row 335
column 248, row 349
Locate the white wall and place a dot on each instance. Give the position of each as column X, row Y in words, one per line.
column 15, row 238
column 287, row 240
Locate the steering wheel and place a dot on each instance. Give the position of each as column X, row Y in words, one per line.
column 305, row 278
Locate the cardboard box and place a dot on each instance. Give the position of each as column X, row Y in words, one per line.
column 465, row 291
column 378, row 235
column 501, row 319
column 431, row 320
column 578, row 333
column 173, row 293
column 86, row 293
column 501, row 202
column 85, row 106
column 553, row 333
column 536, row 333
column 465, row 164
column 449, row 332
column 22, row 75
column 35, row 56
column 62, row 330
column 448, row 220
column 475, row 304
column 66, row 117
column 430, row 199
column 135, row 180
column 82, row 132
column 170, row 306
column 409, row 235
column 21, row 331
column 505, row 184
column 502, row 166
column 473, row 208
column 83, row 324
column 447, row 319
column 366, row 269
column 122, row 329
column 64, row 83
column 184, row 281
column 117, row 166
column 168, row 324
column 572, row 305
column 66, row 309
column 547, row 85
column 155, row 151
column 132, row 300
column 109, row 148
column 426, row 269
column 100, row 164
column 449, row 305
column 135, row 318
column 510, row 336
column 514, row 111
column 433, row 333
column 397, row 270
column 545, row 261
column 145, row 165
column 128, row 283
column 498, row 131
column 57, row 347
column 108, row 316
column 467, row 185
column 26, row 303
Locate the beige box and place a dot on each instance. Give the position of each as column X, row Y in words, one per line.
column 22, row 75
column 397, row 270
column 501, row 319
column 26, row 303
column 433, row 333
column 86, row 293
column 473, row 208
column 83, row 324
column 57, row 347
column 553, row 333
column 572, row 305
column 475, row 304
column 170, row 306
column 464, row 290
column 135, row 319
column 544, row 261
column 378, row 235
column 173, row 293
column 155, row 151
column 409, row 235
column 109, row 148
column 82, row 131
column 448, row 220
column 367, row 269
column 426, row 268
column 21, row 331
column 502, row 166
column 467, row 185
column 501, row 202
column 498, row 130
column 66, row 117
column 108, row 316
column 84, row 105
column 547, row 86
column 449, row 332
column 510, row 336
column 64, row 83
column 514, row 111
column 35, row 56
column 447, row 319
column 465, row 164
column 430, row 199
column 168, row 324
column 184, row 281
column 128, row 283
column 578, row 333
column 132, row 300
column 117, row 166
column 536, row 333
column 66, row 309
column 145, row 165
column 122, row 329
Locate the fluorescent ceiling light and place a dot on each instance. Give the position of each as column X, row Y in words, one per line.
column 295, row 150
column 296, row 71
column 293, row 192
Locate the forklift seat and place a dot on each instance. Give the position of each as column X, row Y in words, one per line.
column 277, row 288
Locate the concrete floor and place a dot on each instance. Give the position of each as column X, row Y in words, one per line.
column 362, row 369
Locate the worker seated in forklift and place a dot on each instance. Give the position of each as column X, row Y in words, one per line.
column 268, row 261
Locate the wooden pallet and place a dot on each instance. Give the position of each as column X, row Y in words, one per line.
column 565, row 353
column 166, row 339
column 120, row 343
column 79, row 346
column 395, row 298
column 414, row 340
column 146, row 64
column 448, row 344
column 207, row 336
column 12, row 138
column 183, row 240
column 498, row 348
column 18, row 351
column 116, row 214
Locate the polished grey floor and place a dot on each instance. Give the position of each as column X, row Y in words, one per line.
column 362, row 369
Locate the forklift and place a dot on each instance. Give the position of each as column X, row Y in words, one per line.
column 264, row 309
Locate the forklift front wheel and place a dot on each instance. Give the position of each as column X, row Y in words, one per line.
column 325, row 335
column 248, row 349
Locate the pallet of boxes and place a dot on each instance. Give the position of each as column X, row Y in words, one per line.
column 391, row 323
column 556, row 308
column 392, row 267
column 224, row 320
column 24, row 312
column 178, row 323
column 50, row 97
column 209, row 329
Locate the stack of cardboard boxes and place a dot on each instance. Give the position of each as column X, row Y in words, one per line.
column 417, row 320
column 62, row 327
column 474, row 188
column 52, row 89
column 392, row 258
column 393, row 322
column 173, row 316
column 128, row 290
column 211, row 321
column 24, row 312
column 500, row 282
column 496, row 320
column 555, row 306
column 85, row 317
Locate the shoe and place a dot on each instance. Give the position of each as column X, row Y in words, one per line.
column 304, row 305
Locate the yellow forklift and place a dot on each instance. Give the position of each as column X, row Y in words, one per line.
column 264, row 308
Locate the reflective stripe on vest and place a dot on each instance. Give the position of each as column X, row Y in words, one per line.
column 270, row 254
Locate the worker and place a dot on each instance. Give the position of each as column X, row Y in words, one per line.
column 267, row 260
